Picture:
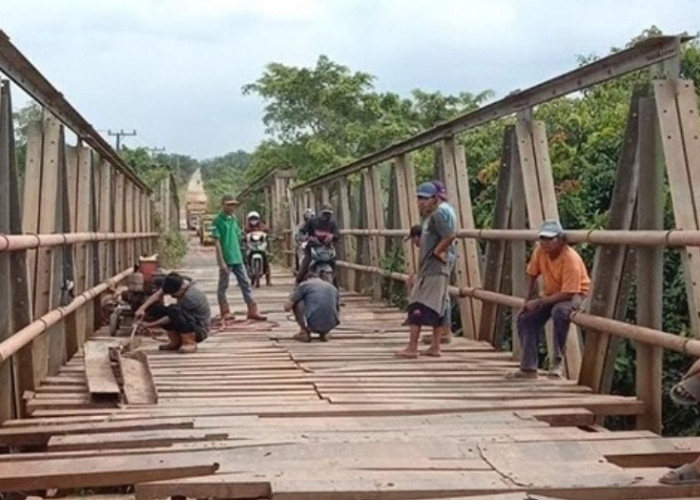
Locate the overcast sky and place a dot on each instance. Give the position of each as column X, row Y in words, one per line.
column 173, row 69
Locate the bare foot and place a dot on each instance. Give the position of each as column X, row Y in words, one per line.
column 407, row 354
column 435, row 353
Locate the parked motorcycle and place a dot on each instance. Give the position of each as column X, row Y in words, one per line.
column 322, row 258
column 256, row 244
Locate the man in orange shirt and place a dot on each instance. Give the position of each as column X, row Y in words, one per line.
column 565, row 285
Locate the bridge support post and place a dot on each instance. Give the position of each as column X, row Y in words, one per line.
column 408, row 208
column 650, row 215
column 375, row 220
column 678, row 111
column 468, row 265
column 541, row 201
column 613, row 271
column 347, row 242
column 496, row 250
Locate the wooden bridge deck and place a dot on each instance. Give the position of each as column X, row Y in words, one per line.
column 337, row 420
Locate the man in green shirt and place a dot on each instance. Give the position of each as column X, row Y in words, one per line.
column 227, row 235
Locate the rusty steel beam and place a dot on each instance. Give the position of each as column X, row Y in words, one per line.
column 23, row 73
column 643, row 54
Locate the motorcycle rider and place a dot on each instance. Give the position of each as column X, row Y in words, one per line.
column 321, row 230
column 300, row 236
column 254, row 223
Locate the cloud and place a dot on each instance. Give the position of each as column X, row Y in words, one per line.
column 173, row 69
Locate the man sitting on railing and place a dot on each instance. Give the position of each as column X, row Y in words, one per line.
column 566, row 284
column 186, row 322
column 316, row 306
column 427, row 300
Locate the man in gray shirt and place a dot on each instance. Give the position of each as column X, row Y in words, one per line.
column 427, row 301
column 316, row 306
column 186, row 322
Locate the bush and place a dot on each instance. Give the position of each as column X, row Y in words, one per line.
column 172, row 248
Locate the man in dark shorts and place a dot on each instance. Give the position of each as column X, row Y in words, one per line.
column 186, row 322
column 427, row 301
column 316, row 306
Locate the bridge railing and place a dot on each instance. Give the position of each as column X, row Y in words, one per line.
column 74, row 219
column 374, row 198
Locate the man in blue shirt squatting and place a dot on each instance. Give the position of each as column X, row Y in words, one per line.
column 316, row 307
column 428, row 295
column 227, row 235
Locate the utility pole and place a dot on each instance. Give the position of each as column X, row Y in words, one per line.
column 153, row 151
column 119, row 136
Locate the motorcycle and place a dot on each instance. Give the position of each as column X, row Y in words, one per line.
column 256, row 243
column 322, row 258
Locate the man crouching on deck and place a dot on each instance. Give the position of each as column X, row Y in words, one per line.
column 316, row 306
column 186, row 322
column 426, row 303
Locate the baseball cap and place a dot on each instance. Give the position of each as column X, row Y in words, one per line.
column 229, row 199
column 441, row 190
column 415, row 232
column 550, row 229
column 327, row 208
column 427, row 190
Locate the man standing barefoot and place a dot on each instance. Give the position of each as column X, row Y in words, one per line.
column 229, row 257
column 427, row 300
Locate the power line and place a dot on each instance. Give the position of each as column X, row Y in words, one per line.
column 119, row 136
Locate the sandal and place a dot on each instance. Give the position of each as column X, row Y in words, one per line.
column 685, row 474
column 687, row 391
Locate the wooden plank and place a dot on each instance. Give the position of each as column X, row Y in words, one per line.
column 38, row 435
column 94, row 472
column 131, row 440
column 650, row 279
column 495, row 254
column 369, row 178
column 611, row 276
column 137, row 379
column 98, row 369
column 462, row 272
column 684, row 211
column 8, row 399
column 518, row 254
column 119, row 220
column 105, row 219
column 347, row 242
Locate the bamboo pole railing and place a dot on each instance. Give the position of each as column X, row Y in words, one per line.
column 668, row 238
column 17, row 242
column 670, row 341
column 24, row 336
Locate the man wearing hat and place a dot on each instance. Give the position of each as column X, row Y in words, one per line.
column 565, row 284
column 227, row 237
column 449, row 212
column 321, row 230
column 427, row 299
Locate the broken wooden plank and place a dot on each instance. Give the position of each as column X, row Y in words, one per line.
column 40, row 434
column 93, row 472
column 98, row 370
column 137, row 379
